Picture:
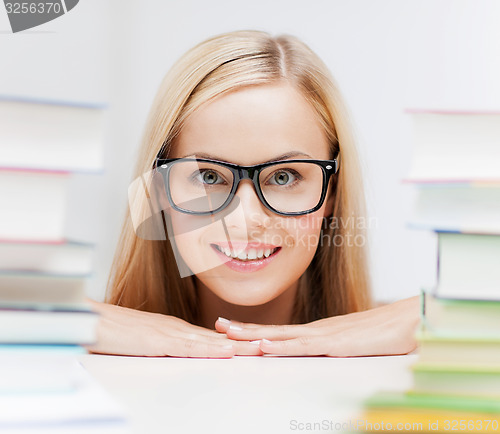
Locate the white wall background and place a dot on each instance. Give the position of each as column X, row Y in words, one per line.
column 387, row 55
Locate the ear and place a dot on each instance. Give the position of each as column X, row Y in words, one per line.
column 330, row 198
column 330, row 201
column 158, row 193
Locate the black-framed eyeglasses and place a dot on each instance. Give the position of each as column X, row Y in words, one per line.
column 288, row 187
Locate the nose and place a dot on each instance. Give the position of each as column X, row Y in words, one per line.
column 253, row 210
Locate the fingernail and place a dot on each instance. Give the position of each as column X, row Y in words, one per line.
column 257, row 342
column 227, row 347
column 266, row 341
column 235, row 327
column 224, row 320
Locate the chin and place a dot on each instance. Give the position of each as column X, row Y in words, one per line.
column 247, row 301
column 243, row 293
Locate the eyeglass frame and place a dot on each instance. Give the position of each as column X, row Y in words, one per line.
column 328, row 167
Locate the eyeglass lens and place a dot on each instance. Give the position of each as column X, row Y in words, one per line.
column 200, row 186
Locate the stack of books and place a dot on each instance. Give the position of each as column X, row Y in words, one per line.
column 456, row 379
column 44, row 317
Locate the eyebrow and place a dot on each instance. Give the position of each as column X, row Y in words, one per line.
column 278, row 158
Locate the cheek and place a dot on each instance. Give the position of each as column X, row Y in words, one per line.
column 181, row 239
column 303, row 232
column 191, row 236
column 311, row 223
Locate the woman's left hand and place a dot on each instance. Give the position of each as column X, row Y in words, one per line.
column 386, row 330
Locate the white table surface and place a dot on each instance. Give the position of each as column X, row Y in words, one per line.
column 245, row 394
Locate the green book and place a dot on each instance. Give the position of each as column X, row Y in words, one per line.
column 452, row 317
column 472, row 380
column 414, row 400
column 457, row 349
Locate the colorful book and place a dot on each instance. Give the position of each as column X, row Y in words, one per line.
column 51, row 326
column 63, row 257
column 468, row 266
column 19, row 289
column 458, row 350
column 456, row 319
column 51, row 135
column 416, row 412
column 33, row 204
column 453, row 379
column 472, row 207
column 408, row 400
column 428, row 421
column 455, row 146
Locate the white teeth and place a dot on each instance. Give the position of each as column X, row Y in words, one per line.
column 226, row 251
column 245, row 256
column 242, row 256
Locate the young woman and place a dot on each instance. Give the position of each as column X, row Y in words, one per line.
column 256, row 241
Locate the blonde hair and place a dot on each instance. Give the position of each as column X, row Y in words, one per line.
column 144, row 274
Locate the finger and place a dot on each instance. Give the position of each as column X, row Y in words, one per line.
column 177, row 324
column 214, row 339
column 302, row 346
column 223, row 324
column 244, row 348
column 202, row 331
column 179, row 347
column 271, row 332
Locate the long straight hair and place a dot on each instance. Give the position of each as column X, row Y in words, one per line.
column 144, row 273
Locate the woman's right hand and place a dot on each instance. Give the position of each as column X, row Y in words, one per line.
column 124, row 331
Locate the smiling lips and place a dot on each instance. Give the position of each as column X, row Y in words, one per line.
column 245, row 257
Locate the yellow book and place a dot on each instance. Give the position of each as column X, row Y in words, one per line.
column 416, row 412
column 427, row 421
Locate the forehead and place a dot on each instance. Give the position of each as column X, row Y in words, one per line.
column 252, row 125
